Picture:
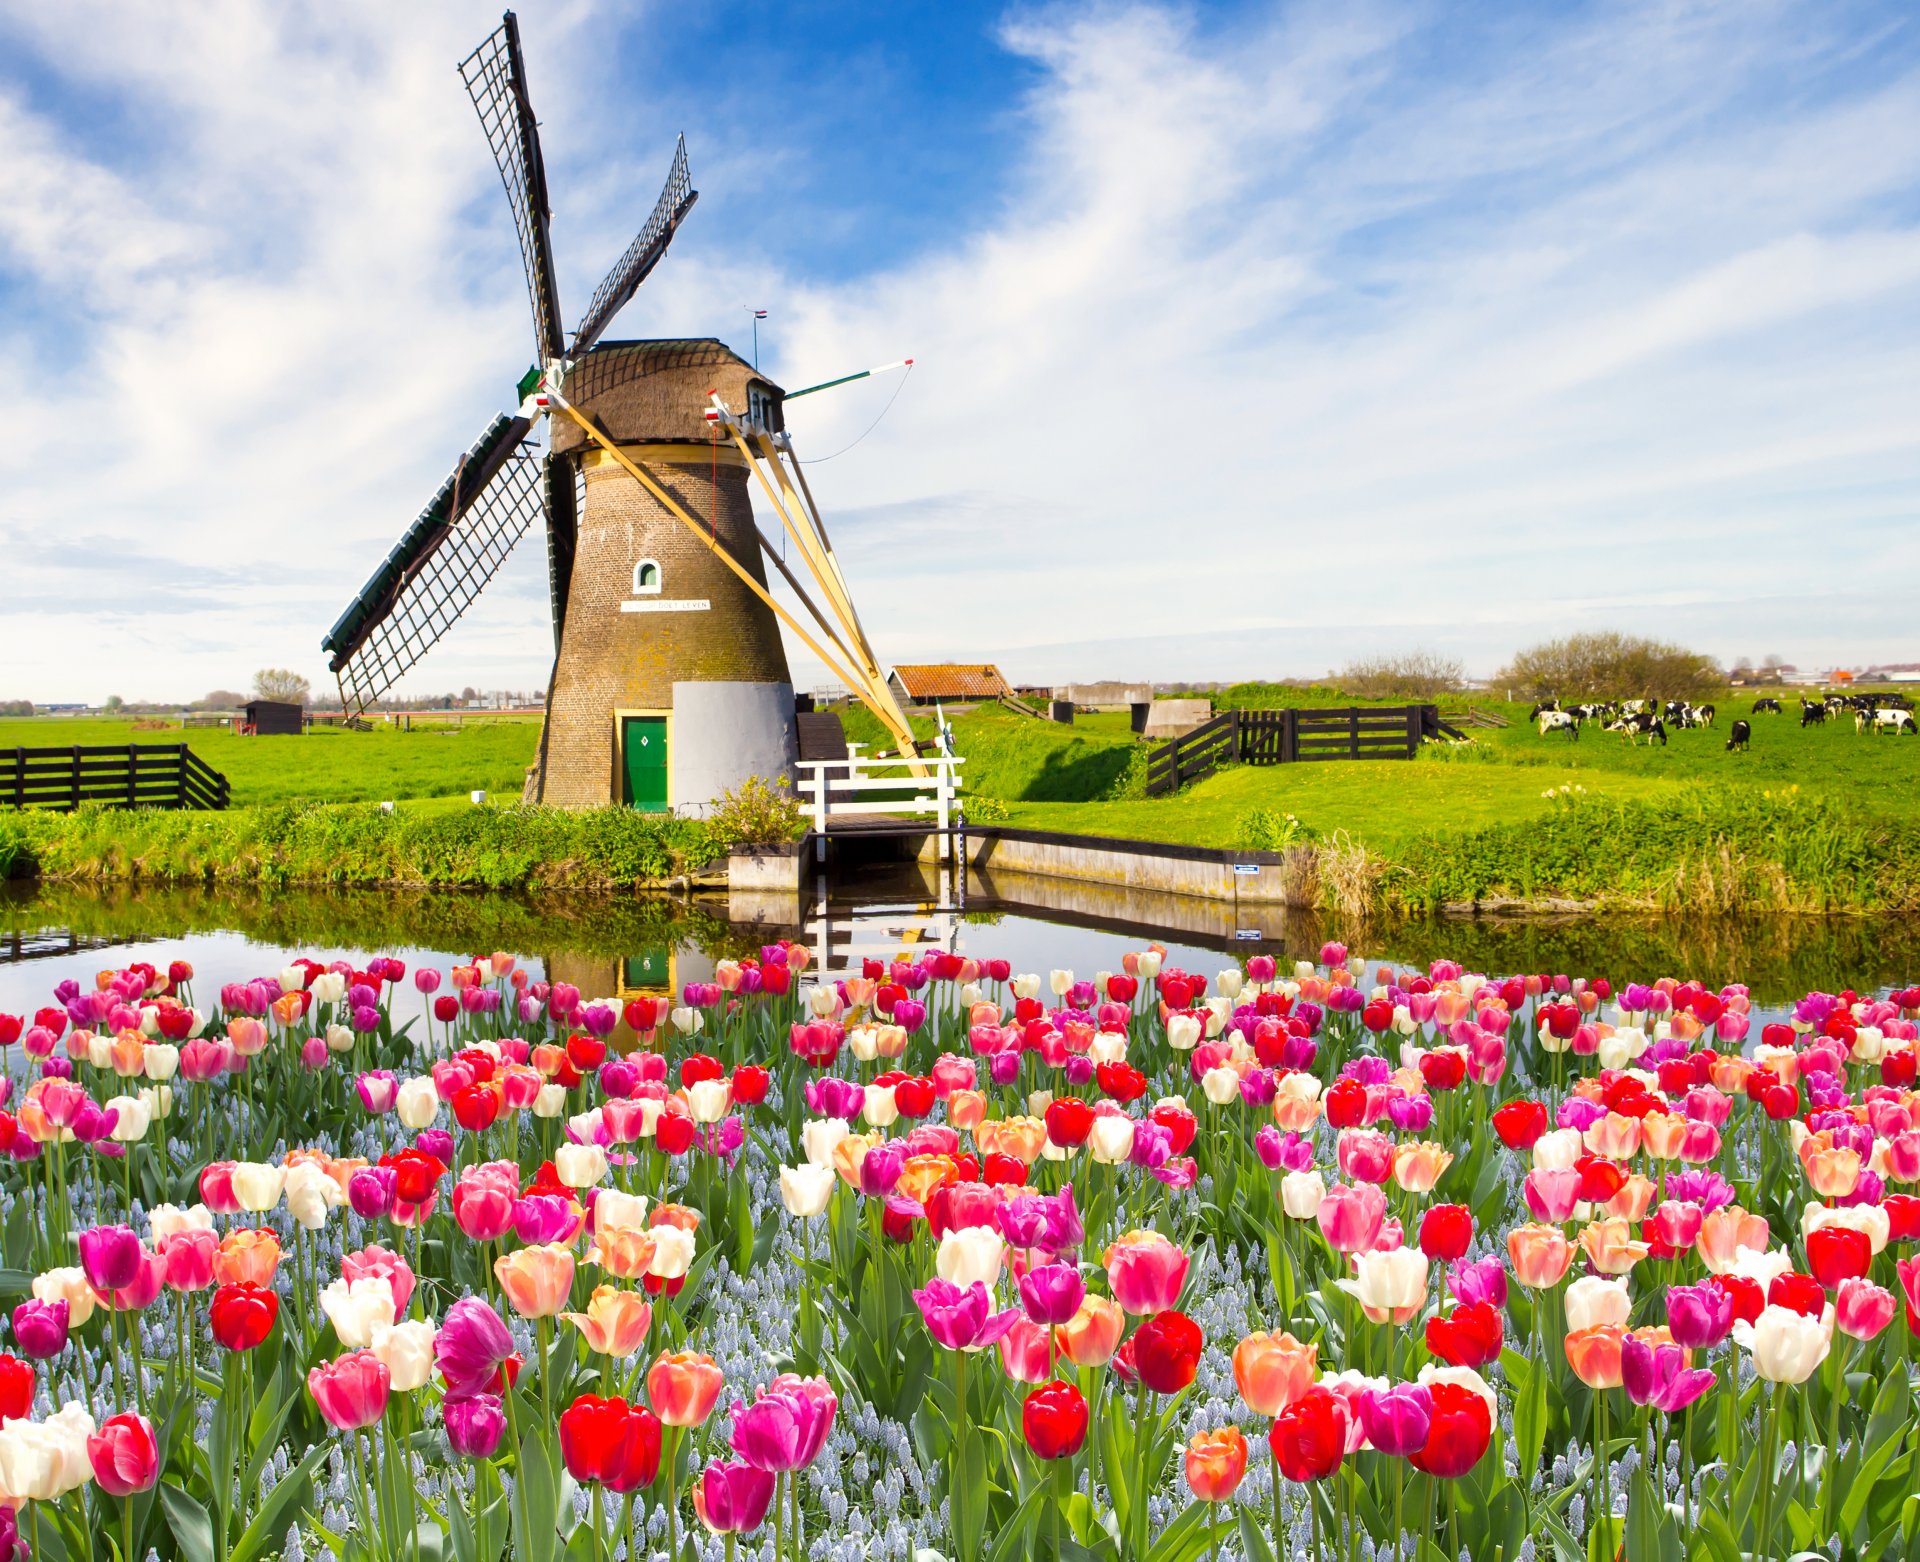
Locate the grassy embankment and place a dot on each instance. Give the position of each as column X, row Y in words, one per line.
column 306, row 811
column 1815, row 819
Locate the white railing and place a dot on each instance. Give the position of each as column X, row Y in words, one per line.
column 861, row 785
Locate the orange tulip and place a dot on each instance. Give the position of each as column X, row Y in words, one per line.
column 966, row 1109
column 682, row 1217
column 615, row 1322
column 1021, row 1137
column 1662, row 1134
column 1729, row 1074
column 623, row 1251
column 1091, row 1336
column 1594, row 1354
column 1633, row 1200
column 1216, row 1463
column 1614, row 1136
column 1539, row 1254
column 1273, row 1370
column 247, row 1257
column 1611, row 1246
column 1418, row 1166
column 128, row 1054
column 850, row 1152
column 1832, row 1173
column 683, row 1386
column 536, row 1279
column 1725, row 1232
column 922, row 1174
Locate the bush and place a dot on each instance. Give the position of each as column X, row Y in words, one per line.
column 757, row 814
column 1131, row 782
column 979, row 809
column 1268, row 830
column 1411, row 675
column 1606, row 665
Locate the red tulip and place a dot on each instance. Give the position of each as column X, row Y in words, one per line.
column 475, row 1108
column 446, row 1008
column 1122, row 1081
column 1749, row 1301
column 1446, row 1232
column 1903, row 1216
column 1054, row 1420
column 1166, row 1351
column 415, row 1174
column 243, row 1315
column 750, row 1084
column 1377, row 1015
column 1069, row 1121
column 608, row 1441
column 1309, row 1437
column 1802, row 1293
column 914, row 1097
column 1346, row 1103
column 1469, row 1336
column 1458, row 1433
column 586, row 1053
column 125, row 1455
column 674, row 1133
column 1520, row 1124
column 1442, row 1070
column 16, row 1388
column 1836, row 1253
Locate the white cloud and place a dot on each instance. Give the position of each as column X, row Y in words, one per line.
column 1289, row 339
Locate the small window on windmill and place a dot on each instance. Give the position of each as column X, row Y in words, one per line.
column 646, row 578
column 760, row 407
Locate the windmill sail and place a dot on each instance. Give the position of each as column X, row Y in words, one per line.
column 496, row 79
column 563, row 481
column 642, row 255
column 435, row 570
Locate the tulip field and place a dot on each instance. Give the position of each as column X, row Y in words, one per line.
column 946, row 1260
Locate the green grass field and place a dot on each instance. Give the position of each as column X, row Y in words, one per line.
column 436, row 760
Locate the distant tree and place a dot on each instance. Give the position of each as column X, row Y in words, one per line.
column 16, row 707
column 1742, row 670
column 114, row 702
column 1610, row 666
column 220, row 699
column 469, row 693
column 1413, row 675
column 277, row 683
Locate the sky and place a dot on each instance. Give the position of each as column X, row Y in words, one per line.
column 1248, row 340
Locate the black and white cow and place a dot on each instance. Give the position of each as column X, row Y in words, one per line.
column 1766, row 706
column 1813, row 713
column 1645, row 725
column 1741, row 732
column 1557, row 721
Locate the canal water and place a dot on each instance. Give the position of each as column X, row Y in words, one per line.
column 620, row 947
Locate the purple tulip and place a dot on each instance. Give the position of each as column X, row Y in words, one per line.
column 1699, row 1316
column 722, row 1139
column 365, row 1019
column 962, row 1319
column 751, row 981
column 1657, row 1375
column 1482, row 1281
column 468, row 1350
column 1152, row 1145
column 1080, row 1069
column 437, row 1142
column 909, row 1014
column 880, row 1170
column 1003, row 1068
column 1578, row 1112
column 1397, row 1419
column 600, row 1020
column 1411, row 1114
column 1052, row 1293
column 40, row 1328
column 1870, row 1189
column 1181, row 1172
column 56, row 1068
column 831, row 1097
column 370, row 1192
column 377, row 1090
column 542, row 1217
column 475, row 1424
column 734, row 1497
column 787, row 1425
column 1049, row 1221
column 111, row 1257
column 1257, row 1087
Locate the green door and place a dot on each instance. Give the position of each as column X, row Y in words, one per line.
column 643, row 744
column 651, row 969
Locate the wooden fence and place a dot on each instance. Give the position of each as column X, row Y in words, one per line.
column 133, row 775
column 1285, row 737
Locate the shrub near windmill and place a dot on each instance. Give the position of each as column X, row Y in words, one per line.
column 670, row 684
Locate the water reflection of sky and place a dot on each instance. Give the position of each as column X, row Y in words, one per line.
column 884, row 920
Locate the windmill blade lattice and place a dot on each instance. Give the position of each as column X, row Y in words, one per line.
column 440, row 566
column 496, row 80
column 642, row 255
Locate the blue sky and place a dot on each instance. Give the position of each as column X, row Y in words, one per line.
column 1248, row 339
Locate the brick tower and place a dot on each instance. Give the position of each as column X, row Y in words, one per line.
column 670, row 682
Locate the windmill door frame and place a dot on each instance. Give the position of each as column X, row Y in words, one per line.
column 622, row 777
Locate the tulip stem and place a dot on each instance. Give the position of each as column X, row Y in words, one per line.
column 1832, row 1514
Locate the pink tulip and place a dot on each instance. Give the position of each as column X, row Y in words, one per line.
column 787, row 1426
column 187, row 1259
column 957, row 1318
column 351, row 1393
column 1351, row 1217
column 378, row 1090
column 111, row 1256
column 1862, row 1309
column 1551, row 1195
column 125, row 1455
column 370, row 1262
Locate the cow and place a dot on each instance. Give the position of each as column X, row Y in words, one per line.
column 1558, row 721
column 1645, row 725
column 1895, row 721
column 1813, row 713
column 1768, row 707
column 1542, row 708
column 1741, row 732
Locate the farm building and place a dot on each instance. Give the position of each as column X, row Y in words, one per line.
column 948, row 683
column 273, row 717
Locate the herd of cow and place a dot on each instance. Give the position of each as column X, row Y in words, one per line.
column 1635, row 720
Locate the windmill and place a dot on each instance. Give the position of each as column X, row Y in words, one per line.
column 670, row 682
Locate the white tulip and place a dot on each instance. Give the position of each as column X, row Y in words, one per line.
column 1183, row 1032
column 970, row 1253
column 417, row 1102
column 878, row 1106
column 806, row 1189
column 258, row 1186
column 580, row 1165
column 1026, row 985
column 160, row 1061
column 1787, row 1346
column 407, row 1350
column 328, row 987
column 1107, row 1046
column 166, row 1220
column 1221, row 1086
column 614, row 1210
column 357, row 1307
column 551, row 1101
column 339, row 1038
column 1593, row 1301
column 312, row 1195
column 134, row 1118
column 1388, row 1283
column 1111, row 1140
column 1301, row 1194
column 1558, row 1150
column 672, row 1253
column 1230, row 981
column 818, row 1136
column 709, row 1099
column 1146, row 964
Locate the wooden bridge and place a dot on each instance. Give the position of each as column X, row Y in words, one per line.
column 866, row 795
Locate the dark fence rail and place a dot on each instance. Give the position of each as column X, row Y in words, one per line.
column 133, row 775
column 1291, row 736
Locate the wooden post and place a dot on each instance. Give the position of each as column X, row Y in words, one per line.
column 1413, row 730
column 1353, row 732
column 75, row 784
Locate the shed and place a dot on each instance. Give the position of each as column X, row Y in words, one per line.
column 274, row 717
column 927, row 682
